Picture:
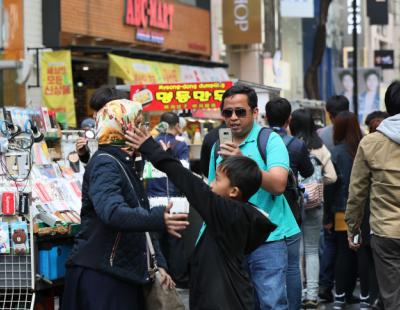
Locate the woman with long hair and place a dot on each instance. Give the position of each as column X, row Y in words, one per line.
column 303, row 127
column 346, row 135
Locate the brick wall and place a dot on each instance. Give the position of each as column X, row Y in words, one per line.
column 104, row 19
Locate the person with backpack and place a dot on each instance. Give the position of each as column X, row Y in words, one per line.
column 268, row 263
column 277, row 113
column 303, row 127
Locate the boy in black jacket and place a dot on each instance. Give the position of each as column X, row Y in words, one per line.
column 233, row 227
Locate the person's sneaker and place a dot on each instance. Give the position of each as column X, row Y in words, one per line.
column 351, row 300
column 365, row 303
column 311, row 304
column 340, row 302
column 377, row 304
column 325, row 294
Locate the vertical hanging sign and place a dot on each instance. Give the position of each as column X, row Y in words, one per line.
column 57, row 84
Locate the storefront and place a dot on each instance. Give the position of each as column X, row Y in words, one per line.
column 159, row 41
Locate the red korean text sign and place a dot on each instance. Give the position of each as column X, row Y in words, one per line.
column 164, row 97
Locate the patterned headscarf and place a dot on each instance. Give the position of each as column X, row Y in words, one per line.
column 114, row 119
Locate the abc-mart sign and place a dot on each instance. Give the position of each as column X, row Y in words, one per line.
column 149, row 13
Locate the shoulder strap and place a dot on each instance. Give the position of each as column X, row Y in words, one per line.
column 288, row 140
column 262, row 141
column 150, row 247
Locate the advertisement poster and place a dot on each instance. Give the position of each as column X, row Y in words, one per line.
column 369, row 99
column 164, row 97
column 143, row 72
column 57, row 84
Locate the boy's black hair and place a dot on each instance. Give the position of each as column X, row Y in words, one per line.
column 392, row 98
column 278, row 111
column 242, row 172
column 375, row 115
column 105, row 94
column 337, row 104
column 244, row 90
column 170, row 118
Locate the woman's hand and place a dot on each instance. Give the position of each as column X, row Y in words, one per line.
column 166, row 280
column 136, row 137
column 80, row 146
column 175, row 222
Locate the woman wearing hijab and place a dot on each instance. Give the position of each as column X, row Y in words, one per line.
column 108, row 263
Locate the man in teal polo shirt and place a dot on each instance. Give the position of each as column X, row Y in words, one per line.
column 267, row 264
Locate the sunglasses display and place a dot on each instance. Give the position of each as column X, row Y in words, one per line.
column 239, row 112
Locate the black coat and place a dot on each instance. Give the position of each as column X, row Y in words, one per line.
column 234, row 229
column 336, row 194
column 114, row 218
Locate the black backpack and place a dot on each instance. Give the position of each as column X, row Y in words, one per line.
column 293, row 193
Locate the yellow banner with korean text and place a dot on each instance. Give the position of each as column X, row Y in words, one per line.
column 57, row 84
column 143, row 71
column 164, row 97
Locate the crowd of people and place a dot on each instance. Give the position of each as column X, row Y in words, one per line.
column 293, row 215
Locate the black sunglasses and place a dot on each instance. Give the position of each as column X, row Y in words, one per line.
column 240, row 112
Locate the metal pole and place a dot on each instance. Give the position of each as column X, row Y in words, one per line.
column 355, row 56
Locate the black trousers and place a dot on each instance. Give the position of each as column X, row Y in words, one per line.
column 87, row 289
column 386, row 253
column 350, row 263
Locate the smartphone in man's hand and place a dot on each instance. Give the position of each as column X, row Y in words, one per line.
column 225, row 135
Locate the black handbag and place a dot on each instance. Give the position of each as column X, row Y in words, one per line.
column 156, row 296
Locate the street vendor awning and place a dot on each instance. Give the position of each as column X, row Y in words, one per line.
column 142, row 72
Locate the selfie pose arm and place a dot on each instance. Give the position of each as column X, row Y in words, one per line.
column 215, row 210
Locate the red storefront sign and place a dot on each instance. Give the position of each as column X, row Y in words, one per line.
column 149, row 13
column 164, row 97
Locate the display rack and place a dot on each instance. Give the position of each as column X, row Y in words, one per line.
column 17, row 276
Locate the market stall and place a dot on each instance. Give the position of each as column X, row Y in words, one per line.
column 40, row 205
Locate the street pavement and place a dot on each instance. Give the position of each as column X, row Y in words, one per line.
column 330, row 306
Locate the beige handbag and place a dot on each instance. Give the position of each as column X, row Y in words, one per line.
column 156, row 296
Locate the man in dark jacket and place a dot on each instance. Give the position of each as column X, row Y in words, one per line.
column 277, row 112
column 206, row 148
column 334, row 106
column 159, row 186
column 233, row 228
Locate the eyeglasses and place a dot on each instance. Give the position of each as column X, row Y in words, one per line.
column 239, row 112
